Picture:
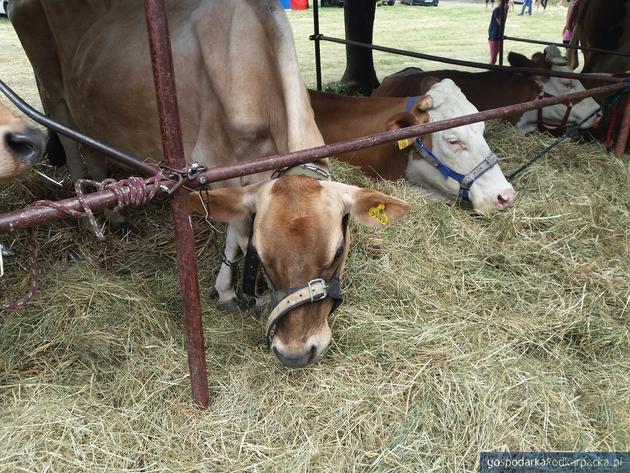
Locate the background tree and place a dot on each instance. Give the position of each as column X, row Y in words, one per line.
column 359, row 22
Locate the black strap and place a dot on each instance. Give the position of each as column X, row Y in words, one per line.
column 251, row 267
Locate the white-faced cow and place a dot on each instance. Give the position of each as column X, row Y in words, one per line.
column 20, row 145
column 240, row 96
column 455, row 162
column 494, row 89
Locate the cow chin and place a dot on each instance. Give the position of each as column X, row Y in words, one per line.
column 302, row 336
column 491, row 192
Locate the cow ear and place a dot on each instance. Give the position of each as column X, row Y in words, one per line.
column 366, row 205
column 376, row 209
column 405, row 119
column 519, row 60
column 226, row 204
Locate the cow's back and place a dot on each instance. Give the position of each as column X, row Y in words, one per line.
column 485, row 90
column 239, row 88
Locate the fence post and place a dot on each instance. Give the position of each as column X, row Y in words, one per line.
column 173, row 147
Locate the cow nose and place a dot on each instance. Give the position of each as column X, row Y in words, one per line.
column 25, row 146
column 505, row 198
column 296, row 361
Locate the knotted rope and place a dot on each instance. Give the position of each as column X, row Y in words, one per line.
column 133, row 191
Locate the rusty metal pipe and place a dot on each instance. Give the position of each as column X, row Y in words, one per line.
column 26, row 218
column 303, row 156
column 480, row 65
column 561, row 45
column 624, row 130
column 173, row 147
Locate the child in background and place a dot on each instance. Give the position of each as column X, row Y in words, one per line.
column 572, row 14
column 494, row 32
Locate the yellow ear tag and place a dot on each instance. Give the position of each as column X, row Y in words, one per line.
column 378, row 214
column 402, row 144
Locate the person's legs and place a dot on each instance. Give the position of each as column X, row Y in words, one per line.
column 529, row 7
column 523, row 8
column 494, row 50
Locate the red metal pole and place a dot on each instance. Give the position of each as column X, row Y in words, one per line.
column 173, row 147
column 624, row 129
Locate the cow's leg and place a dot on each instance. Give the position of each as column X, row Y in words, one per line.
column 58, row 110
column 235, row 240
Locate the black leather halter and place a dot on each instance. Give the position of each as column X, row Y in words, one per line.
column 285, row 300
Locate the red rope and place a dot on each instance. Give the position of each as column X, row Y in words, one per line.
column 133, row 191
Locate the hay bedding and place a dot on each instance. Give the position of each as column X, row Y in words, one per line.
column 460, row 333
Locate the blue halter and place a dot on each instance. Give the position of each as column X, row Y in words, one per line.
column 465, row 180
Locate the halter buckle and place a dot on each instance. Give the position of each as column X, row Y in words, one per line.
column 311, row 289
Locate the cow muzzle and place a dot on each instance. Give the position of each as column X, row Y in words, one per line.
column 25, row 146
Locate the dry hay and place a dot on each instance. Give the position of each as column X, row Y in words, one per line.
column 459, row 334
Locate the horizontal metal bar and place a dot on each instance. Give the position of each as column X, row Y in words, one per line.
column 300, row 157
column 35, row 215
column 480, row 65
column 581, row 48
column 114, row 154
column 16, row 220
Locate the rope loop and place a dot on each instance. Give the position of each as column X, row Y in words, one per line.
column 133, row 191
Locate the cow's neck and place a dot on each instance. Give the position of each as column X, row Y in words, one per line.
column 360, row 116
column 318, row 170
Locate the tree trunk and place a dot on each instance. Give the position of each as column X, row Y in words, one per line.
column 359, row 20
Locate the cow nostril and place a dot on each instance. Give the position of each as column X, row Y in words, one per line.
column 298, row 361
column 25, row 146
column 313, row 352
column 504, row 199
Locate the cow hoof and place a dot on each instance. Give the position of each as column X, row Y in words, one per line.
column 115, row 218
column 232, row 306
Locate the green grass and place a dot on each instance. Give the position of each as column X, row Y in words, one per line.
column 460, row 333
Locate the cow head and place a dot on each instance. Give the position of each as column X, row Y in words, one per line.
column 463, row 150
column 20, row 145
column 560, row 115
column 300, row 236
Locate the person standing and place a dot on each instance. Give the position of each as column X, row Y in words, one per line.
column 494, row 31
column 526, row 4
column 569, row 26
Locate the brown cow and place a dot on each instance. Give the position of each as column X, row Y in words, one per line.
column 603, row 24
column 240, row 96
column 462, row 150
column 20, row 145
column 493, row 89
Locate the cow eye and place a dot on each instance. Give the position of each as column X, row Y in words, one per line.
column 568, row 84
column 453, row 141
column 339, row 251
